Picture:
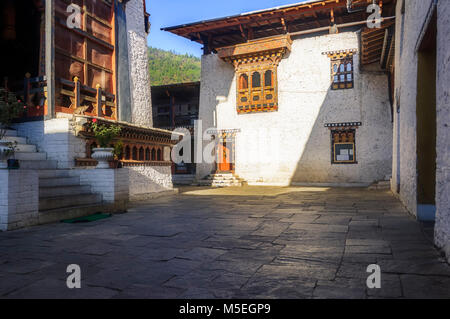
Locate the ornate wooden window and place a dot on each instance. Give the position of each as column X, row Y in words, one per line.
column 260, row 94
column 343, row 146
column 256, row 65
column 342, row 76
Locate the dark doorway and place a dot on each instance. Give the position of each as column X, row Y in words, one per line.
column 20, row 40
column 426, row 124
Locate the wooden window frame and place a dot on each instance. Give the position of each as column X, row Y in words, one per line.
column 263, row 98
column 334, row 159
column 346, row 84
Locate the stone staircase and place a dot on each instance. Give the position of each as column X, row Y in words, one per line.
column 382, row 185
column 27, row 154
column 180, row 179
column 221, row 180
column 61, row 195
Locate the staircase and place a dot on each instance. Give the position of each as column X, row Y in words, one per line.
column 221, row 180
column 180, row 179
column 27, row 154
column 61, row 195
column 382, row 185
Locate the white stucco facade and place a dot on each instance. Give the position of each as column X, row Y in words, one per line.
column 141, row 111
column 411, row 24
column 293, row 145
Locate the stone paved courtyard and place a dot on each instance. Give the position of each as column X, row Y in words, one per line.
column 252, row 242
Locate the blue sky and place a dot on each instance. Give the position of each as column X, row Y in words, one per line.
column 166, row 13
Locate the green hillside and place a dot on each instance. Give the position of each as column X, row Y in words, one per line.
column 168, row 67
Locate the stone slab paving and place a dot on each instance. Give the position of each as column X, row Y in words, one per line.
column 251, row 242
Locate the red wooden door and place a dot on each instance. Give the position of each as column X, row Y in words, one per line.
column 224, row 158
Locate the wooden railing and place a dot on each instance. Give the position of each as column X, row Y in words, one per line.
column 141, row 146
column 72, row 97
column 83, row 100
column 32, row 91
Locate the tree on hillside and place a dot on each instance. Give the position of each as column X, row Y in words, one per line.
column 168, row 67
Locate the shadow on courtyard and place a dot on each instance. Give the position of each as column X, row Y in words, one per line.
column 270, row 243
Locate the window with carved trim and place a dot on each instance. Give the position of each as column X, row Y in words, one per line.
column 343, row 147
column 257, row 91
column 342, row 73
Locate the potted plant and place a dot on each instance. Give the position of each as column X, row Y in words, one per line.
column 118, row 151
column 104, row 134
column 12, row 162
column 10, row 109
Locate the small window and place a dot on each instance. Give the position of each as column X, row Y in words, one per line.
column 343, row 147
column 342, row 73
column 159, row 155
column 256, row 80
column 268, row 78
column 243, row 82
column 349, row 67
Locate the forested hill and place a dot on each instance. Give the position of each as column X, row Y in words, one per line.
column 168, row 67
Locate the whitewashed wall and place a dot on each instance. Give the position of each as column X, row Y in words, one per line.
column 19, row 198
column 118, row 186
column 409, row 27
column 146, row 180
column 442, row 228
column 141, row 110
column 292, row 145
column 55, row 137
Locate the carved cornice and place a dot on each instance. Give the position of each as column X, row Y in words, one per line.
column 263, row 51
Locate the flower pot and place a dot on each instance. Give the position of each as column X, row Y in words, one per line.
column 13, row 164
column 4, row 154
column 103, row 156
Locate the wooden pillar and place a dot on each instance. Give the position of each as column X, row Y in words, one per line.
column 99, row 103
column 76, row 91
column 50, row 58
column 26, row 89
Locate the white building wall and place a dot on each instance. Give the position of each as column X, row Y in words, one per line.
column 145, row 180
column 141, row 109
column 56, row 137
column 409, row 26
column 19, row 198
column 292, row 145
column 442, row 228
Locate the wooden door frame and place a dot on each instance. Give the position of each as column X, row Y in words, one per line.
column 232, row 140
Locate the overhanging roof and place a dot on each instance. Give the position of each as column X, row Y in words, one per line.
column 225, row 31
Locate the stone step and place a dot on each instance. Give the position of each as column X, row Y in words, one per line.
column 11, row 133
column 26, row 148
column 19, row 140
column 218, row 184
column 222, row 177
column 38, row 165
column 183, row 179
column 25, row 156
column 46, row 192
column 51, row 203
column 54, row 173
column 59, row 181
column 56, row 215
